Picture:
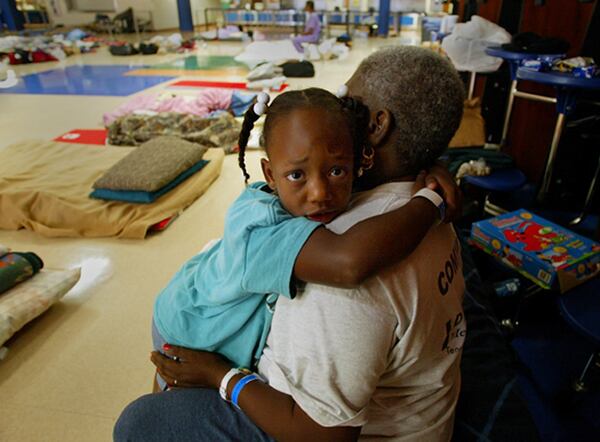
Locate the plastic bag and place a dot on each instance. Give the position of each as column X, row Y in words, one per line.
column 467, row 43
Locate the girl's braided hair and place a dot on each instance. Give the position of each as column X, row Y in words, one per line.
column 354, row 113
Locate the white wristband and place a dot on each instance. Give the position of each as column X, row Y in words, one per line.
column 435, row 199
column 225, row 381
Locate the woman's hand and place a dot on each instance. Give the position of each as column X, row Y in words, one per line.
column 439, row 179
column 183, row 367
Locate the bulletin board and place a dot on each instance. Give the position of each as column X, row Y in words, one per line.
column 94, row 5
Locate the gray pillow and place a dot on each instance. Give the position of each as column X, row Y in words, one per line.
column 152, row 165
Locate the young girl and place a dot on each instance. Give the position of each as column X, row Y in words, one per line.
column 222, row 299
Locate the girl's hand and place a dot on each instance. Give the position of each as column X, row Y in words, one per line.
column 439, row 179
column 420, row 182
column 183, row 367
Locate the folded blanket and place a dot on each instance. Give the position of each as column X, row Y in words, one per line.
column 152, row 166
column 138, row 196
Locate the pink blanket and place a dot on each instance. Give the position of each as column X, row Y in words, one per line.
column 202, row 104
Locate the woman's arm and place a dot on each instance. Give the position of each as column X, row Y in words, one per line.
column 276, row 413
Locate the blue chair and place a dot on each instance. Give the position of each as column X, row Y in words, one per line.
column 502, row 180
column 265, row 18
column 580, row 308
column 514, row 60
column 568, row 88
column 500, row 183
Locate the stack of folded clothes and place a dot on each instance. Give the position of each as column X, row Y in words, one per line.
column 150, row 171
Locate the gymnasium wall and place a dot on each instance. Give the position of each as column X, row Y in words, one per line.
column 164, row 12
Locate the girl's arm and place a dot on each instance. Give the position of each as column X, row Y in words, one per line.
column 379, row 241
column 347, row 260
column 276, row 413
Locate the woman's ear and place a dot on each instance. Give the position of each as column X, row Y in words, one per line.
column 268, row 173
column 380, row 127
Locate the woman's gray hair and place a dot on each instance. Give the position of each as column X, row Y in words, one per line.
column 425, row 95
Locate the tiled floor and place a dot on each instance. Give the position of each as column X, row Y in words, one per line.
column 69, row 373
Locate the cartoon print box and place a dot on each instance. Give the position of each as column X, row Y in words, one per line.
column 544, row 252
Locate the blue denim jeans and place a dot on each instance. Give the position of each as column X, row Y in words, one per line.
column 185, row 414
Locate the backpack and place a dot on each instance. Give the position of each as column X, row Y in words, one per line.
column 298, row 69
column 148, row 48
column 19, row 56
column 124, row 49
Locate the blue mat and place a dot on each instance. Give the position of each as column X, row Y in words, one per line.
column 100, row 80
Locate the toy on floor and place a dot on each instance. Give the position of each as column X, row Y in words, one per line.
column 473, row 167
column 550, row 255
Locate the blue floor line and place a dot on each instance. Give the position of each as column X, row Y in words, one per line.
column 97, row 80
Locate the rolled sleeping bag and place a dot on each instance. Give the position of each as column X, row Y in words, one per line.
column 17, row 267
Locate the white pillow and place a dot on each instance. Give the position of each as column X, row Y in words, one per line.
column 31, row 298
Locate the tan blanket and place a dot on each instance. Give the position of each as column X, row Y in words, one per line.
column 44, row 187
column 471, row 131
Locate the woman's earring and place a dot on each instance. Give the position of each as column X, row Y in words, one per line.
column 366, row 161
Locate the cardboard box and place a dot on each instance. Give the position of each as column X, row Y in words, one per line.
column 548, row 254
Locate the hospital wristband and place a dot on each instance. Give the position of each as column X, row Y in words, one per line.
column 223, row 387
column 240, row 385
column 434, row 198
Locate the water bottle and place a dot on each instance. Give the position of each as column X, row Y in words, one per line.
column 508, row 287
column 17, row 267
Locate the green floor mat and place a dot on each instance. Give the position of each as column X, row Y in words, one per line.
column 201, row 63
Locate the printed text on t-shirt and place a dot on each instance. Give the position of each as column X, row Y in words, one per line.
column 451, row 268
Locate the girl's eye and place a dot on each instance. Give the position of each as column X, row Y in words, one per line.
column 337, row 172
column 295, row 176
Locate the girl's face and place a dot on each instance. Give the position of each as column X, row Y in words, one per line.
column 310, row 163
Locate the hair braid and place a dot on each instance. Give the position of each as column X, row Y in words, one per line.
column 250, row 118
